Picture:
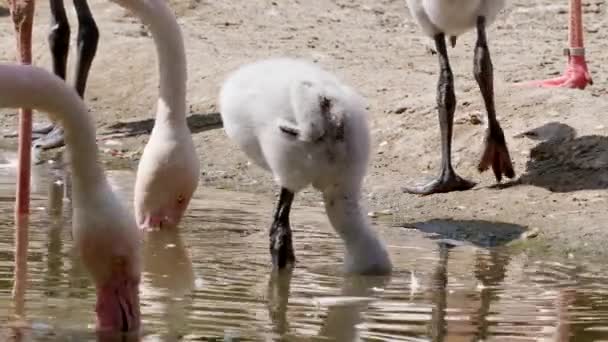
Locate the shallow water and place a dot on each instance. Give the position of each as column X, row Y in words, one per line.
column 211, row 282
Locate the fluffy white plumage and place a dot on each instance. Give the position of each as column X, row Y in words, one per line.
column 452, row 17
column 306, row 127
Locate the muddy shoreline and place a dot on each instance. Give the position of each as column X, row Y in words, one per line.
column 562, row 174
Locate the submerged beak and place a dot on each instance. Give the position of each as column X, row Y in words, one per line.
column 118, row 306
column 166, row 219
column 157, row 222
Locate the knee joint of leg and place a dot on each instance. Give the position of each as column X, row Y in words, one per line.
column 19, row 14
column 450, row 101
column 482, row 59
column 482, row 70
column 447, row 99
column 59, row 36
column 88, row 33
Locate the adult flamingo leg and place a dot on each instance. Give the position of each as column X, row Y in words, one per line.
column 22, row 14
column 576, row 74
column 20, row 276
column 59, row 42
column 448, row 180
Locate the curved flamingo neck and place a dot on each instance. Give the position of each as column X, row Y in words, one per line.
column 33, row 87
column 167, row 35
column 365, row 253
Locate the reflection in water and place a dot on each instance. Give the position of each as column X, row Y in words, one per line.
column 54, row 259
column 278, row 296
column 167, row 265
column 490, row 271
column 210, row 281
column 342, row 319
column 439, row 294
column 565, row 299
column 20, row 271
column 344, row 312
column 167, row 272
column 54, row 243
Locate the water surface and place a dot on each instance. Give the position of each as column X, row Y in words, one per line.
column 211, row 281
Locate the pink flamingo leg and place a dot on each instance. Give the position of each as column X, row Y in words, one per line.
column 576, row 74
column 20, row 280
column 22, row 14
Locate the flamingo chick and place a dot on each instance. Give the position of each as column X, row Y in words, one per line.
column 439, row 18
column 105, row 234
column 301, row 123
column 169, row 170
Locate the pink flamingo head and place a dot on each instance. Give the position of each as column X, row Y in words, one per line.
column 165, row 182
column 118, row 305
column 112, row 257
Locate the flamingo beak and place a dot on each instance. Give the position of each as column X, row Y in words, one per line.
column 118, row 306
column 158, row 221
column 163, row 219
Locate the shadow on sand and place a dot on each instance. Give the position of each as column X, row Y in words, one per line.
column 477, row 232
column 196, row 122
column 563, row 162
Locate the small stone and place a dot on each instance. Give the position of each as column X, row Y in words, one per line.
column 112, row 142
column 400, row 110
column 475, row 119
column 375, row 214
column 531, row 234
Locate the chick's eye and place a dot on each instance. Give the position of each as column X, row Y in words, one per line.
column 180, row 199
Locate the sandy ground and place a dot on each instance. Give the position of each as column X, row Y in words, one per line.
column 376, row 47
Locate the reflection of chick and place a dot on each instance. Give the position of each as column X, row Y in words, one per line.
column 167, row 265
column 346, row 313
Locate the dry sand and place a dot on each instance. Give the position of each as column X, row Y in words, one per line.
column 376, row 47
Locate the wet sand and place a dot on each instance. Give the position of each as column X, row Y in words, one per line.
column 376, row 47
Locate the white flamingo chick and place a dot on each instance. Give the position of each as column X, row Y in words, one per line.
column 301, row 123
column 439, row 18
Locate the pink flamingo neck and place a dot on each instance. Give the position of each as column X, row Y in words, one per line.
column 64, row 105
column 172, row 64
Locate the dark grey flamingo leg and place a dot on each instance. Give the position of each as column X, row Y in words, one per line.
column 59, row 43
column 281, row 246
column 448, row 180
column 496, row 153
column 88, row 37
